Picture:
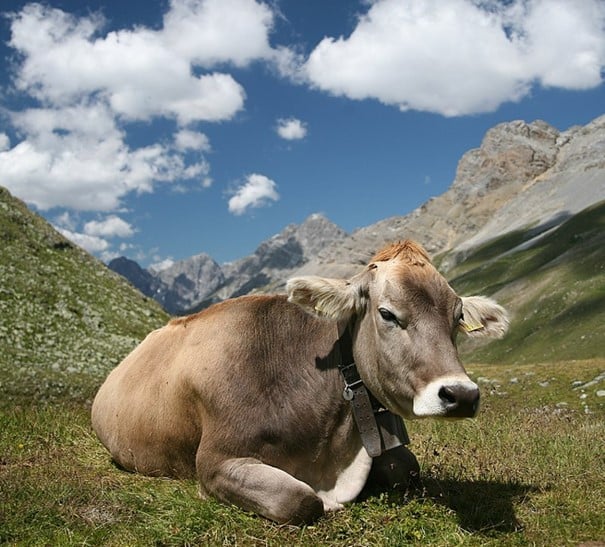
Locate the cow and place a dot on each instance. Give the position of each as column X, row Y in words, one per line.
column 249, row 396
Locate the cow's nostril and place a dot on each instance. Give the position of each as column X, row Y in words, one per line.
column 447, row 394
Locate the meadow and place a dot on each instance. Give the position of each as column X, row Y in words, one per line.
column 527, row 471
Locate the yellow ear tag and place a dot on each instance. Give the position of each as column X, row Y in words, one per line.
column 470, row 327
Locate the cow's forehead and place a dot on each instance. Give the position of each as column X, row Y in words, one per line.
column 396, row 280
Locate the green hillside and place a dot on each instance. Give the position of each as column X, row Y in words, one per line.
column 65, row 319
column 554, row 288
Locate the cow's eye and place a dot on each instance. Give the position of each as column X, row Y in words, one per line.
column 387, row 315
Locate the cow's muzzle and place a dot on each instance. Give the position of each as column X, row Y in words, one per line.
column 450, row 397
column 460, row 400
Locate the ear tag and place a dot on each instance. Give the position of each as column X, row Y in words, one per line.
column 470, row 327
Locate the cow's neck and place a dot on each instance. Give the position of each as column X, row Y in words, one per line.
column 379, row 429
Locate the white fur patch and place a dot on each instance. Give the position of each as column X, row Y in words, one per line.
column 349, row 483
column 428, row 402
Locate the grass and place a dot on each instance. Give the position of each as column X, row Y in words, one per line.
column 528, row 471
column 555, row 291
column 65, row 319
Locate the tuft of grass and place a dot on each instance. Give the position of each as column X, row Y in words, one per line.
column 527, row 471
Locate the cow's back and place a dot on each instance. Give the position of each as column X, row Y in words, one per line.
column 243, row 367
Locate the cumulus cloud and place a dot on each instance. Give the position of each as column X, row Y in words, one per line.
column 218, row 31
column 257, row 191
column 291, row 129
column 461, row 56
column 136, row 71
column 192, row 140
column 77, row 157
column 161, row 264
column 112, row 226
column 93, row 244
column 85, row 84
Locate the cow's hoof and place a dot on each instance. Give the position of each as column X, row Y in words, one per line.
column 309, row 510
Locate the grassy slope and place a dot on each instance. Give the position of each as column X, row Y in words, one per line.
column 65, row 319
column 555, row 290
column 527, row 471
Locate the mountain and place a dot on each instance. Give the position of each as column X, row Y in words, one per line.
column 524, row 221
column 523, row 174
column 142, row 279
column 65, row 318
column 187, row 282
column 280, row 255
column 198, row 281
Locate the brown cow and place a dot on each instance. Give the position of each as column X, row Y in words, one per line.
column 247, row 395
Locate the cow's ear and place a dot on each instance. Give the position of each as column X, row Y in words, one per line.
column 322, row 296
column 483, row 317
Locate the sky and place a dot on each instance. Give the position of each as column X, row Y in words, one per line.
column 161, row 129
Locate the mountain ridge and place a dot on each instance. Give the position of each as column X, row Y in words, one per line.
column 522, row 175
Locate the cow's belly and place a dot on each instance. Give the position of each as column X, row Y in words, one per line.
column 348, row 483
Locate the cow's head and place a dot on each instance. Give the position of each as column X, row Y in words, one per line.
column 405, row 318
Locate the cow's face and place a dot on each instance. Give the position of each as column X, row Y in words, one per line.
column 405, row 318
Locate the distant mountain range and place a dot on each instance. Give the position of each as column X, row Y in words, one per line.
column 199, row 281
column 523, row 176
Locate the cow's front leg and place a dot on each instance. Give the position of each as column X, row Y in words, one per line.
column 266, row 490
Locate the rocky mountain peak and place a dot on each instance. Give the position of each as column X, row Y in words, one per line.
column 193, row 282
column 510, row 153
column 186, row 281
column 139, row 277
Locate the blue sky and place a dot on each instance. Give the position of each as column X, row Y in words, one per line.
column 162, row 129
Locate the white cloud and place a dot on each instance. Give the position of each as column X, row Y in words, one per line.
column 92, row 244
column 134, row 70
column 218, row 31
column 4, row 142
column 291, row 129
column 112, row 226
column 77, row 157
column 66, row 221
column 257, row 191
column 462, row 56
column 88, row 83
column 191, row 140
column 161, row 264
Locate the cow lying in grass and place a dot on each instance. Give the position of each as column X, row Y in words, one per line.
column 247, row 396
